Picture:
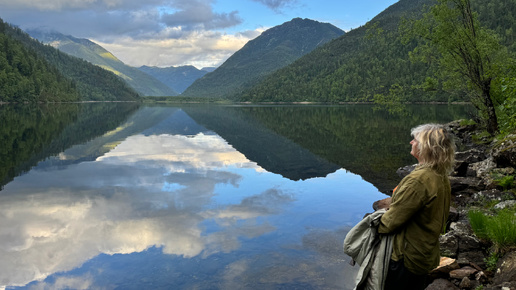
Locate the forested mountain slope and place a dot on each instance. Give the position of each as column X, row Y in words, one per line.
column 27, row 77
column 85, row 49
column 371, row 59
column 90, row 82
column 176, row 78
column 273, row 49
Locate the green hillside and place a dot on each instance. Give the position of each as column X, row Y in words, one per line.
column 273, row 49
column 27, row 77
column 85, row 49
column 90, row 82
column 371, row 59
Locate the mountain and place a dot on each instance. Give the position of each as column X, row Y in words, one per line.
column 85, row 49
column 176, row 78
column 371, row 60
column 27, row 77
column 208, row 69
column 273, row 49
column 33, row 72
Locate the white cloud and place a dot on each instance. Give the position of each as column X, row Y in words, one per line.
column 198, row 48
column 155, row 33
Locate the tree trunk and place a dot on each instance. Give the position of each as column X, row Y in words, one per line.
column 492, row 121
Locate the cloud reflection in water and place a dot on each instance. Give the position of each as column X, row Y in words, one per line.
column 149, row 191
column 189, row 196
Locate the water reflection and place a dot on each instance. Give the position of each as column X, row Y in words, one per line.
column 190, row 207
column 162, row 200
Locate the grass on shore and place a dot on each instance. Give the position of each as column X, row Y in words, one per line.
column 498, row 228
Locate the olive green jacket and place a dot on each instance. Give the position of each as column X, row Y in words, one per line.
column 417, row 215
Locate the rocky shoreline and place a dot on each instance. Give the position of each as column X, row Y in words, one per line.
column 464, row 255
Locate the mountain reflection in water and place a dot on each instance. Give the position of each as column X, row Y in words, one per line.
column 168, row 203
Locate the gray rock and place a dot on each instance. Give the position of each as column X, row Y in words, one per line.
column 470, row 156
column 506, row 269
column 488, row 195
column 469, row 243
column 464, row 272
column 505, row 204
column 441, row 284
column 504, row 152
column 484, row 167
column 476, row 257
column 461, row 183
column 449, row 245
column 467, row 283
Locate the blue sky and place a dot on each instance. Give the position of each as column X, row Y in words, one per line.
column 180, row 32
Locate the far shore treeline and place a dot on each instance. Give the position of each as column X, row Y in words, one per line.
column 388, row 60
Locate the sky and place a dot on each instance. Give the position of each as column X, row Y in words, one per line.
column 163, row 33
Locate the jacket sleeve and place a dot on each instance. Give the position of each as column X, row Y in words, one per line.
column 407, row 200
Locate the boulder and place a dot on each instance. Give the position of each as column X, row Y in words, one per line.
column 449, row 245
column 453, row 215
column 441, row 284
column 483, row 168
column 461, row 228
column 467, row 283
column 461, row 183
column 470, row 156
column 446, row 265
column 506, row 269
column 504, row 151
column 469, row 243
column 463, row 273
column 477, row 257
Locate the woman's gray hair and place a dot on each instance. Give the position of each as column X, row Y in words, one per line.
column 436, row 147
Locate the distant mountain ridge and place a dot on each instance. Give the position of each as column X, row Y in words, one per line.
column 273, row 49
column 176, row 78
column 85, row 49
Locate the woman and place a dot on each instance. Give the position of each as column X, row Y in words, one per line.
column 419, row 209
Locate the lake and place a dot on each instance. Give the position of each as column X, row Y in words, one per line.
column 127, row 196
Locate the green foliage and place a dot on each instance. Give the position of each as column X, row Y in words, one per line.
column 505, row 181
column 470, row 57
column 483, row 137
column 467, row 122
column 272, row 50
column 27, row 77
column 492, row 261
column 500, row 228
column 478, row 221
column 507, row 109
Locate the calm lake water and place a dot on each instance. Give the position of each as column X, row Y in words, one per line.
column 122, row 196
